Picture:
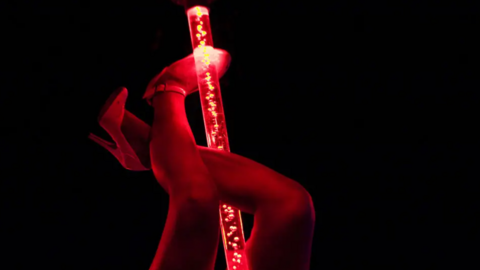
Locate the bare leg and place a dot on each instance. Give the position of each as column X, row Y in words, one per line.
column 190, row 237
column 283, row 210
column 284, row 213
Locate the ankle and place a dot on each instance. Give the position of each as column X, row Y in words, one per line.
column 167, row 100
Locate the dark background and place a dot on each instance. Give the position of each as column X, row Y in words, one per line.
column 368, row 105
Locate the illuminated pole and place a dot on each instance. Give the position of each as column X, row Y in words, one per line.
column 215, row 127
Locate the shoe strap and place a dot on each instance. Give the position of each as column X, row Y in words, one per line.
column 165, row 88
column 170, row 88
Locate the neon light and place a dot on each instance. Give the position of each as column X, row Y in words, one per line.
column 215, row 127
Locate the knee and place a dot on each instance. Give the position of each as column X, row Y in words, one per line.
column 200, row 204
column 195, row 213
column 298, row 205
column 198, row 191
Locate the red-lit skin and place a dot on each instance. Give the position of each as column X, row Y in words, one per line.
column 190, row 236
column 282, row 208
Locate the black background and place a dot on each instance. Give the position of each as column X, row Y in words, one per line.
column 368, row 105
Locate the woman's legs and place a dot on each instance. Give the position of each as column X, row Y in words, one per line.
column 284, row 213
column 190, row 237
column 283, row 210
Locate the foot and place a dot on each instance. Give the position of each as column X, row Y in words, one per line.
column 110, row 119
column 111, row 114
column 181, row 76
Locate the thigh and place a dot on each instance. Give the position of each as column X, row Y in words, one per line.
column 244, row 183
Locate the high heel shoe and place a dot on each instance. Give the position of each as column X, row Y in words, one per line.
column 181, row 76
column 110, row 119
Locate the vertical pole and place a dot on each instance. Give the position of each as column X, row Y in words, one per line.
column 215, row 127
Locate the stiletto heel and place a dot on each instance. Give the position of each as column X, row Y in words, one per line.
column 110, row 119
column 111, row 147
column 179, row 77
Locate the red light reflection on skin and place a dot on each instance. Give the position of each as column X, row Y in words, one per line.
column 215, row 127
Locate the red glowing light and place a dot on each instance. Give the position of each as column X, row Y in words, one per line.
column 215, row 127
